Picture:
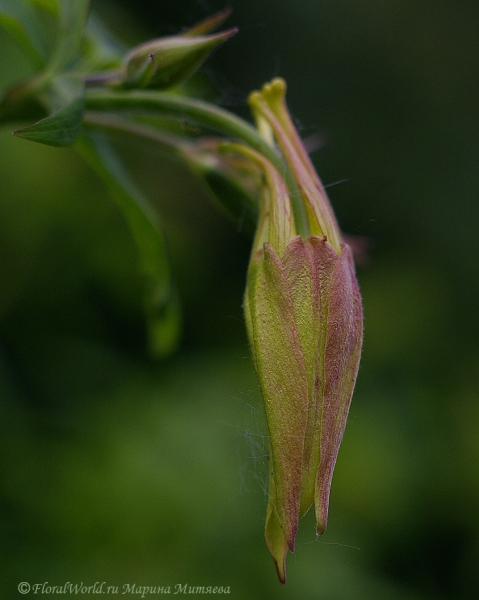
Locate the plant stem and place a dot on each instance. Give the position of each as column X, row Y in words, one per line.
column 208, row 115
column 170, row 142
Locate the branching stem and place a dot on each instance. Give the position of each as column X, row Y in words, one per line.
column 207, row 115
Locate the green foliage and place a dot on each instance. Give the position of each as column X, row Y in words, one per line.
column 59, row 88
column 166, row 62
column 116, row 468
column 161, row 302
column 60, row 129
column 19, row 18
column 71, row 26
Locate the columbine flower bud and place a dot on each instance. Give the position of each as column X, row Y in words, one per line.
column 304, row 320
column 166, row 62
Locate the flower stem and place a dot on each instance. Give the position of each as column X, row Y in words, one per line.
column 208, row 115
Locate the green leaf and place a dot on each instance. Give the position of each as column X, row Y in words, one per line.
column 73, row 17
column 160, row 300
column 234, row 182
column 50, row 6
column 101, row 50
column 60, row 129
column 20, row 19
column 195, row 111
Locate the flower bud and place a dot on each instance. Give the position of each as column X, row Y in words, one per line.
column 304, row 319
column 168, row 61
column 209, row 24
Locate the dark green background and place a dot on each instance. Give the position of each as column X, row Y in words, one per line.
column 119, row 469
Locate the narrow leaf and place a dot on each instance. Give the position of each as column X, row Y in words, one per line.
column 60, row 129
column 73, row 17
column 19, row 18
column 48, row 5
column 160, row 300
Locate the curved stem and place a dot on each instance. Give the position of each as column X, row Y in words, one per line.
column 208, row 115
column 169, row 142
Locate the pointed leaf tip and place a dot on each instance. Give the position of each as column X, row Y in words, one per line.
column 208, row 24
column 61, row 129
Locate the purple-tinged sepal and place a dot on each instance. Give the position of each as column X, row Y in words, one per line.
column 304, row 319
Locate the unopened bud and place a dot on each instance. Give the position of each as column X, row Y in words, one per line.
column 166, row 62
column 304, row 319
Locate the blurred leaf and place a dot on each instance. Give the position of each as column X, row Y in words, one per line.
column 161, row 304
column 73, row 16
column 18, row 17
column 53, row 88
column 60, row 129
column 102, row 49
column 233, row 181
column 61, row 91
column 48, row 5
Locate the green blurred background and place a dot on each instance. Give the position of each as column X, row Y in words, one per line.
column 119, row 469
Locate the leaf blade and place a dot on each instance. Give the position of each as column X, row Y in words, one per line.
column 19, row 18
column 61, row 129
column 72, row 22
column 160, row 299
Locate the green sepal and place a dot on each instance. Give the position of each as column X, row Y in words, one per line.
column 283, row 380
column 274, row 534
